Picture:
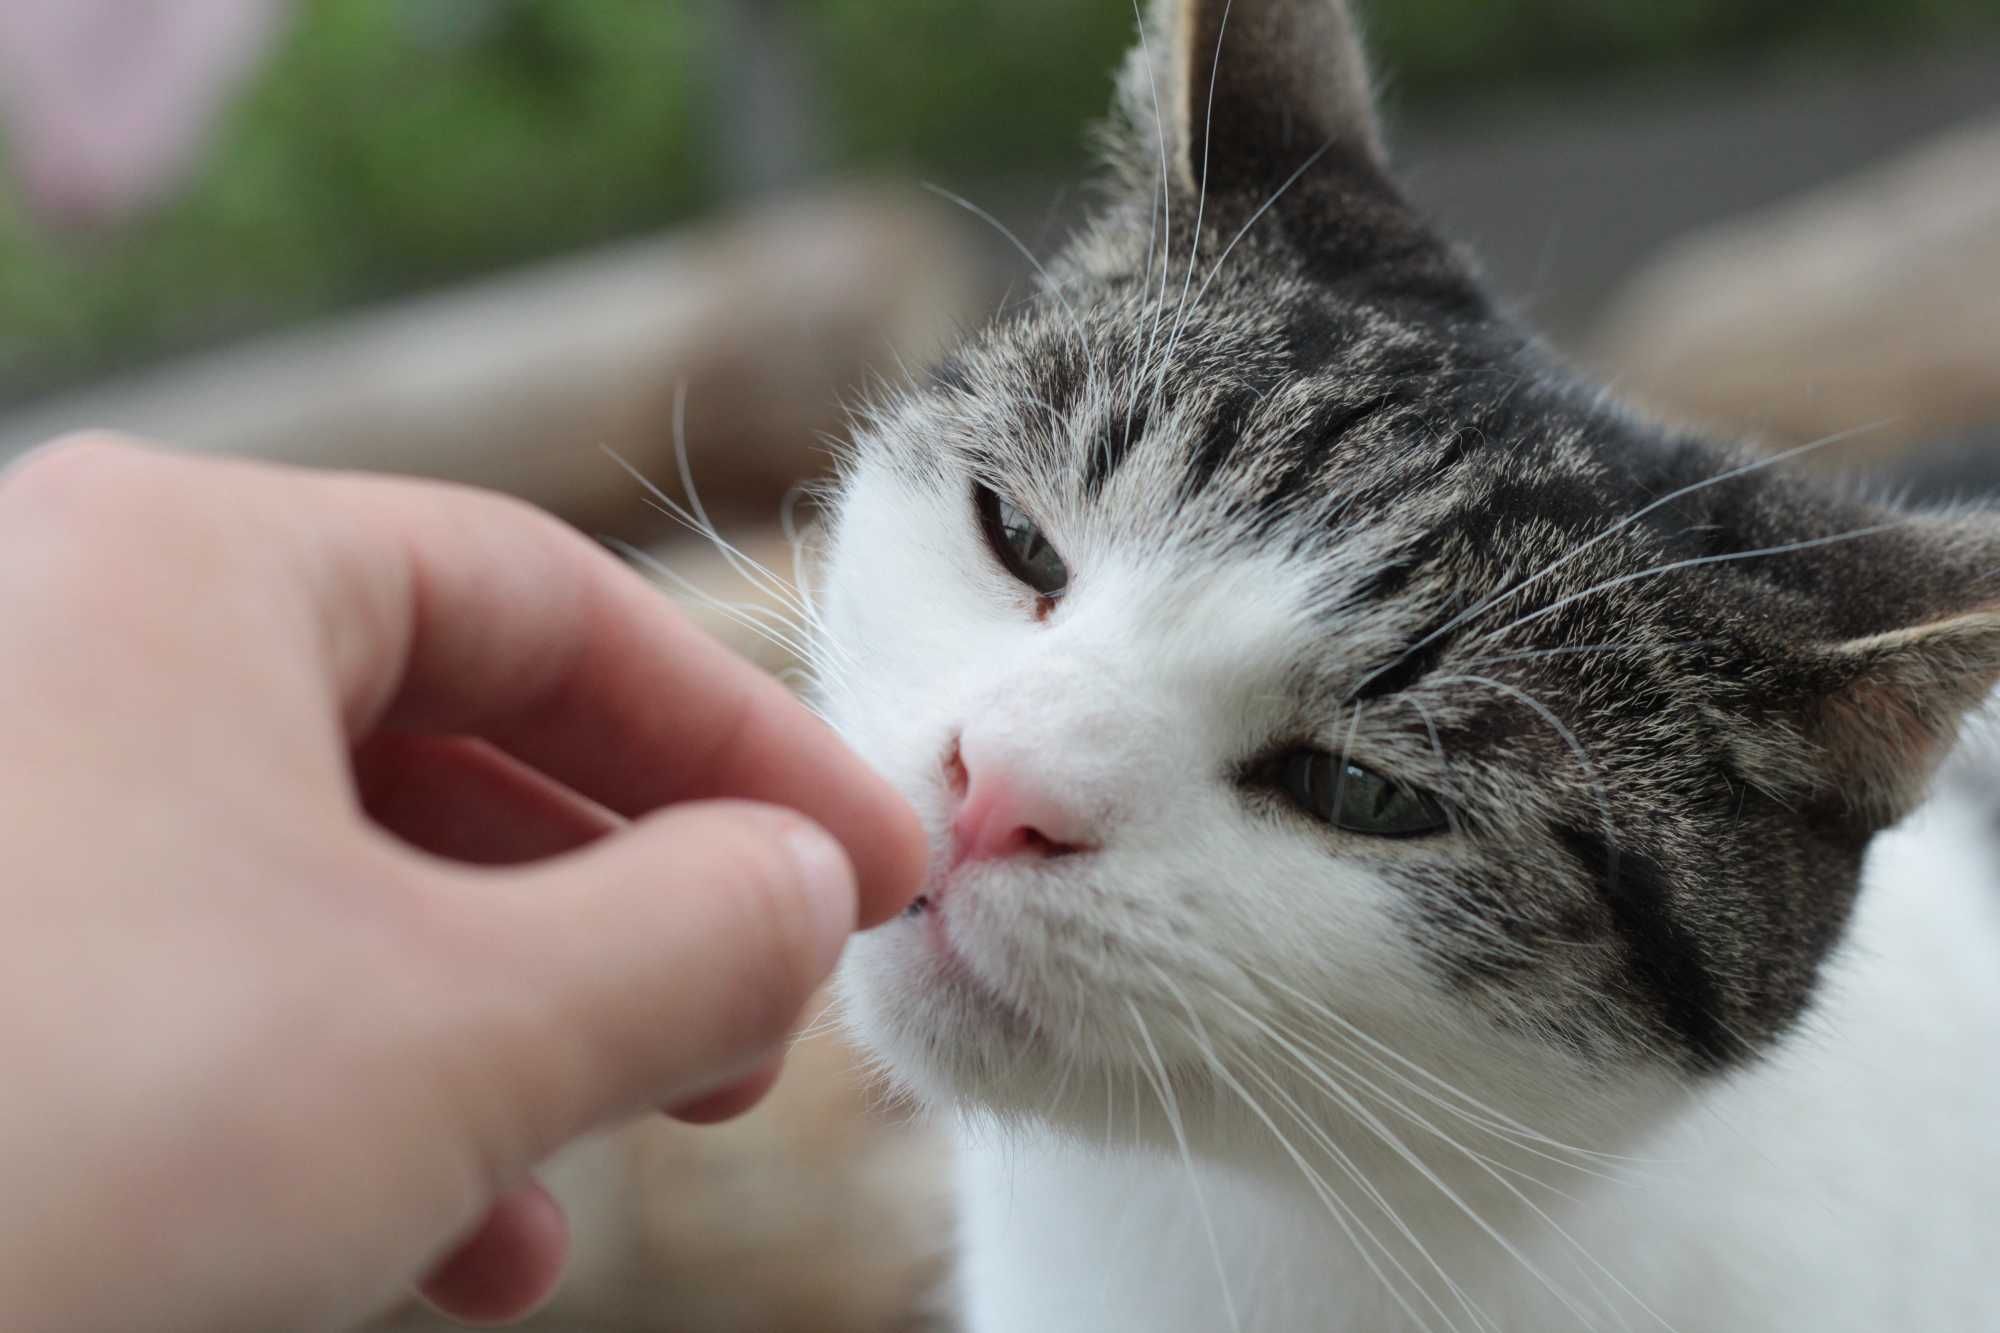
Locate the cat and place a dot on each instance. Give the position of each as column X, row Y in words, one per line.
column 1417, row 846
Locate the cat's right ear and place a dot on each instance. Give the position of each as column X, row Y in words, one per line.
column 1889, row 643
column 1897, row 703
column 1253, row 89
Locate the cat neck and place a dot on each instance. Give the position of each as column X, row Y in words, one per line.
column 1294, row 1209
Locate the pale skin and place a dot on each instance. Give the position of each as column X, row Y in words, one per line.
column 365, row 842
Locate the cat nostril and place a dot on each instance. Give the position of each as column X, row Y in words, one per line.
column 955, row 776
column 1035, row 841
column 1000, row 819
column 978, row 844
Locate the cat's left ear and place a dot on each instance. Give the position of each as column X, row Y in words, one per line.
column 1261, row 86
column 1895, row 704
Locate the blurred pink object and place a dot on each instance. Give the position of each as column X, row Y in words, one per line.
column 107, row 103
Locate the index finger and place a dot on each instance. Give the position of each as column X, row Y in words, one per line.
column 457, row 611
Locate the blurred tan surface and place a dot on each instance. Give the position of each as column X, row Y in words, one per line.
column 1874, row 299
column 822, row 1211
column 770, row 320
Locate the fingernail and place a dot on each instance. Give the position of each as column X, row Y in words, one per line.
column 827, row 876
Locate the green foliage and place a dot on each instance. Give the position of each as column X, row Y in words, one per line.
column 377, row 153
column 396, row 144
column 963, row 86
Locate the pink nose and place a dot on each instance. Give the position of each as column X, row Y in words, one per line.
column 1004, row 816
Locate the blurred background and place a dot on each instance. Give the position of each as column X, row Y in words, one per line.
column 491, row 239
column 187, row 180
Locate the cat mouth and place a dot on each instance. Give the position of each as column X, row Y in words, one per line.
column 954, row 968
column 928, row 908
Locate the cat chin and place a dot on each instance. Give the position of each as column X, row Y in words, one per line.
column 959, row 1047
column 941, row 1032
column 956, row 1045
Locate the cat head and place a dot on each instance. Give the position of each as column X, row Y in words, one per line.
column 1289, row 657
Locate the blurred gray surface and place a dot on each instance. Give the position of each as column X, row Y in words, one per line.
column 1564, row 196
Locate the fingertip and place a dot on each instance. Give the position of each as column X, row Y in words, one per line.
column 509, row 1266
column 894, row 871
column 790, row 758
column 827, row 879
column 666, row 961
column 733, row 1100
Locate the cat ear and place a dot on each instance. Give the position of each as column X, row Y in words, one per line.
column 1896, row 702
column 1260, row 86
column 1263, row 106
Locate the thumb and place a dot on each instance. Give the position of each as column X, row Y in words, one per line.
column 654, row 966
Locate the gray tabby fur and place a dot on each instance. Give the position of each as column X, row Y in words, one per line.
column 1290, row 359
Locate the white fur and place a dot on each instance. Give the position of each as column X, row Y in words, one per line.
column 1113, row 1179
column 1852, row 1183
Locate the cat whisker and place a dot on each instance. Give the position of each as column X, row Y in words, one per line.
column 813, row 644
column 659, row 503
column 1692, row 562
column 1048, row 283
column 801, row 681
column 1437, row 748
column 1485, row 1164
column 1556, row 724
column 1342, row 1213
column 1138, row 1104
column 1166, row 212
column 824, row 669
column 1495, row 1169
column 755, row 617
column 1388, row 1055
column 1576, row 1247
column 1619, row 525
column 1581, row 650
column 1266, row 207
column 825, row 1021
column 1170, row 1103
column 1402, row 1108
column 912, row 380
column 1402, row 1150
column 697, row 522
column 1340, row 777
column 796, row 539
column 1070, row 1061
column 773, row 618
column 1201, row 199
column 1110, row 1113
column 804, row 638
column 1328, row 1145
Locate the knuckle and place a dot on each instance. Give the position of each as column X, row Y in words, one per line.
column 89, row 491
column 83, row 464
column 71, row 501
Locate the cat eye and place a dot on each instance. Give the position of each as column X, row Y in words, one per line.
column 1019, row 545
column 1356, row 799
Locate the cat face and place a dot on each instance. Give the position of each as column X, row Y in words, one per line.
column 1286, row 655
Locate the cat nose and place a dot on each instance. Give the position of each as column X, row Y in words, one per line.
column 1004, row 815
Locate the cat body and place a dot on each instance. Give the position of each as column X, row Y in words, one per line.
column 1399, row 817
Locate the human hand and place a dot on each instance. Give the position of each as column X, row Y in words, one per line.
column 321, row 922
